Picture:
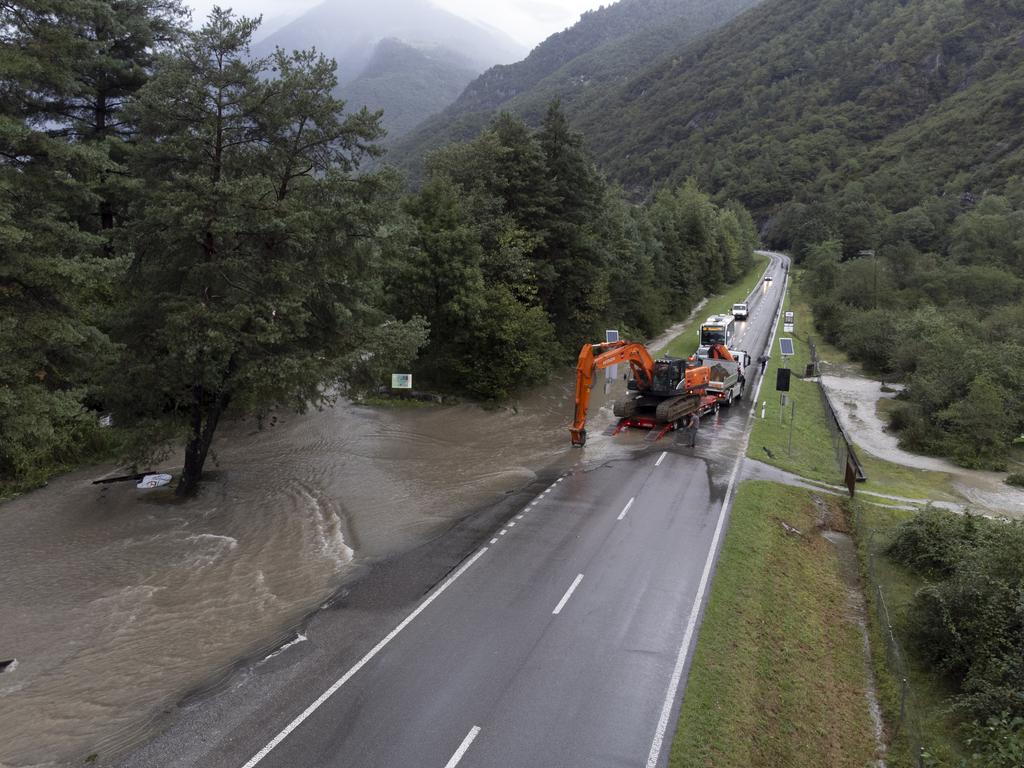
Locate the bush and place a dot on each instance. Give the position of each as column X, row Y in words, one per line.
column 969, row 623
column 1015, row 478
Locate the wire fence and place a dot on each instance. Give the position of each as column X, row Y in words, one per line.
column 906, row 724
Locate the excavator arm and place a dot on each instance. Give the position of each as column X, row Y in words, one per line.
column 594, row 357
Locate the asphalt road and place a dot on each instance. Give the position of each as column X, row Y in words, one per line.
column 562, row 638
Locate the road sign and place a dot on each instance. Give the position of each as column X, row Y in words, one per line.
column 788, row 322
column 786, row 347
column 401, row 381
column 611, row 335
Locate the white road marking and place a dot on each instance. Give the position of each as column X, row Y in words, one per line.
column 626, row 508
column 559, row 479
column 502, row 532
column 691, row 624
column 661, row 458
column 362, row 662
column 512, row 524
column 473, row 733
column 494, row 541
column 567, row 595
column 520, row 517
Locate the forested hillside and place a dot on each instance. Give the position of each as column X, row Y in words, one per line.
column 908, row 97
column 603, row 48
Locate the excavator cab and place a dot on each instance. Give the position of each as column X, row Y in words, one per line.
column 667, row 376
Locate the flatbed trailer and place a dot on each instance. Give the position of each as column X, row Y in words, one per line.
column 703, row 405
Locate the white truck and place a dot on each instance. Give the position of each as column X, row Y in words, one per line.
column 739, row 311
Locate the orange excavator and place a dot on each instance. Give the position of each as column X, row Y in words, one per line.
column 663, row 390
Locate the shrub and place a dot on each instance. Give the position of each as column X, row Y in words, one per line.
column 1015, row 478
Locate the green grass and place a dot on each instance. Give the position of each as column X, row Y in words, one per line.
column 778, row 673
column 928, row 704
column 685, row 344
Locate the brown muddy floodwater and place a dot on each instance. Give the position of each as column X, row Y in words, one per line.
column 116, row 602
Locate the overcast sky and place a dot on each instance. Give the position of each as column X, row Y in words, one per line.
column 528, row 21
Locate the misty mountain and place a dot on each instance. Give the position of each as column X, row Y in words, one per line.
column 604, row 48
column 408, row 83
column 428, row 57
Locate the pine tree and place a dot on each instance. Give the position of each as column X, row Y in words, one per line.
column 251, row 242
column 52, row 271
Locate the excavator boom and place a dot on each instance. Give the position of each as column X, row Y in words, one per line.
column 594, row 357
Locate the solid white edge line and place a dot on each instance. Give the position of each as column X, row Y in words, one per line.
column 661, row 458
column 362, row 662
column 463, row 747
column 691, row 624
column 626, row 508
column 567, row 595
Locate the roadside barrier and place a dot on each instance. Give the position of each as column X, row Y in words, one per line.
column 846, row 456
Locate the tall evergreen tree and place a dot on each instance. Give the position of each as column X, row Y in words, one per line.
column 251, row 241
column 52, row 270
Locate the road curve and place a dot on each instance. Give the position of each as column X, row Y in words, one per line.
column 562, row 638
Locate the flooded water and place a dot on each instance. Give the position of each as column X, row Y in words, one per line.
column 115, row 602
column 855, row 398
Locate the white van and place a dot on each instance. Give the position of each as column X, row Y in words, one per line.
column 739, row 311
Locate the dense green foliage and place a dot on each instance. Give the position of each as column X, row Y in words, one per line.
column 938, row 305
column 517, row 251
column 576, row 67
column 68, row 67
column 794, row 99
column 968, row 621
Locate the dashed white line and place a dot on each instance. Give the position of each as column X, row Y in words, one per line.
column 661, row 458
column 362, row 662
column 567, row 595
column 494, row 541
column 502, row 532
column 625, row 509
column 520, row 517
column 511, row 523
column 463, row 747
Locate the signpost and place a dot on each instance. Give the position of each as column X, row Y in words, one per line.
column 401, row 381
column 782, row 383
column 788, row 322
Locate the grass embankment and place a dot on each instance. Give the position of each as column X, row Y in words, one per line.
column 927, row 707
column 778, row 675
column 686, row 343
column 812, row 455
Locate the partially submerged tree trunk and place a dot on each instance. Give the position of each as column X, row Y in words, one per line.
column 206, row 413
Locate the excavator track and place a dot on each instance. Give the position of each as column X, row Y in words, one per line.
column 625, row 407
column 674, row 408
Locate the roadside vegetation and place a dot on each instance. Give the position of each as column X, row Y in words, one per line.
column 951, row 586
column 779, row 673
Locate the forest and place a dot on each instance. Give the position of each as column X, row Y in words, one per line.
column 188, row 236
